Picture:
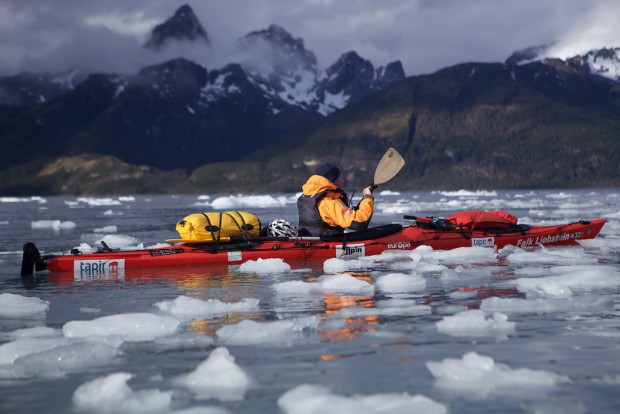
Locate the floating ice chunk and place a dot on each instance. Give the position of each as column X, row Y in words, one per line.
column 255, row 201
column 311, row 399
column 111, row 394
column 345, row 283
column 185, row 307
column 12, row 305
column 264, row 266
column 184, row 341
column 476, row 323
column 54, row 356
column 218, row 377
column 249, row 332
column 112, row 213
column 468, row 254
column 202, row 410
column 296, row 287
column 125, row 199
column 543, row 289
column 36, row 332
column 120, row 241
column 578, row 303
column 335, row 265
column 586, row 278
column 478, row 376
column 106, row 229
column 551, row 256
column 22, row 199
column 52, row 224
column 132, row 327
column 399, row 282
column 92, row 201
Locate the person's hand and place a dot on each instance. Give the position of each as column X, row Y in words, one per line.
column 367, row 191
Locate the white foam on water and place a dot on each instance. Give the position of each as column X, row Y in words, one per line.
column 106, row 229
column 12, row 305
column 477, row 323
column 345, row 283
column 283, row 332
column 51, row 357
column 184, row 307
column 111, row 394
column 218, row 377
column 132, row 327
column 571, row 304
column 314, row 399
column 479, row 376
column 400, row 282
column 265, row 266
column 250, row 201
column 52, row 225
column 335, row 265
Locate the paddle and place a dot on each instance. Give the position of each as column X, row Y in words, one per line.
column 390, row 164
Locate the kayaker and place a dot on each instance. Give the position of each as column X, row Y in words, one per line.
column 324, row 208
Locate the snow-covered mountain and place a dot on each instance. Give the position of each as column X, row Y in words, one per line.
column 285, row 70
column 602, row 62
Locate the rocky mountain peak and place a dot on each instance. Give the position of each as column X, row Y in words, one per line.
column 183, row 26
column 275, row 51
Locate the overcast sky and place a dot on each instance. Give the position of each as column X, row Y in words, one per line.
column 425, row 35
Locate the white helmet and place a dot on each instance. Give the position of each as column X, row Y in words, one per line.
column 281, row 228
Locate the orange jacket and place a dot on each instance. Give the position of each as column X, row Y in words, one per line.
column 333, row 210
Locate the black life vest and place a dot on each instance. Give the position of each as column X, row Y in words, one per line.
column 310, row 221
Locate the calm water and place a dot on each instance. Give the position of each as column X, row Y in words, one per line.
column 365, row 343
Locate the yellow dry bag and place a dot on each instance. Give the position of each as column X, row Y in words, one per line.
column 213, row 226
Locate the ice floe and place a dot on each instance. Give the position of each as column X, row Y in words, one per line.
column 218, row 377
column 314, row 399
column 248, row 332
column 335, row 265
column 400, row 282
column 36, row 199
column 571, row 304
column 479, row 376
column 476, row 322
column 99, row 201
column 250, row 201
column 550, row 256
column 265, row 266
column 106, row 229
column 13, row 305
column 184, row 307
column 52, row 225
column 345, row 283
column 111, row 394
column 47, row 357
column 34, row 332
column 132, row 327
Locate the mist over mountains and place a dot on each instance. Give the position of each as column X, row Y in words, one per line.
column 178, row 125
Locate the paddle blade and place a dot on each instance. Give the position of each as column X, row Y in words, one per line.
column 388, row 167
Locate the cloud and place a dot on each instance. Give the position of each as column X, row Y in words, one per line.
column 426, row 35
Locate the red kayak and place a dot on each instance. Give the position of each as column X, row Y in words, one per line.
column 363, row 243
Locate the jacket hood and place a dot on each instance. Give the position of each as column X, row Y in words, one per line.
column 317, row 184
